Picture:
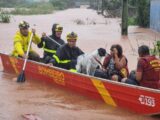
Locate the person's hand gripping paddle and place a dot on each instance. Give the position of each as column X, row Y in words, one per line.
column 21, row 77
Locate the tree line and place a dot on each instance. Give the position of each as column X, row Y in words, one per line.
column 138, row 10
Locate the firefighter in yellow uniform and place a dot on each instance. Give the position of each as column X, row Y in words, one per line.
column 21, row 42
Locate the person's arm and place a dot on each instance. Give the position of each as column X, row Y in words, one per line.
column 139, row 70
column 60, row 53
column 18, row 46
column 42, row 42
column 61, row 56
column 106, row 61
column 36, row 39
column 138, row 76
column 119, row 64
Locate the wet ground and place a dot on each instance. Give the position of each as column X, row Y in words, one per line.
column 50, row 102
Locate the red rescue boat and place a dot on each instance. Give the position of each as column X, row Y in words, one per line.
column 138, row 99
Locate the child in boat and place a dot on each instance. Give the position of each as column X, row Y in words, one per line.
column 148, row 70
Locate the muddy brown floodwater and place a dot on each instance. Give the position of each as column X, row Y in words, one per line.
column 50, row 102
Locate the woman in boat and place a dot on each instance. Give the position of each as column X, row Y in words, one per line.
column 114, row 65
column 52, row 43
column 148, row 70
column 66, row 55
column 21, row 42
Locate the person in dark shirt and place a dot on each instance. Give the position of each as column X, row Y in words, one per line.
column 52, row 43
column 66, row 56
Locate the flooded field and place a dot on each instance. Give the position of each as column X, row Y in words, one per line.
column 50, row 102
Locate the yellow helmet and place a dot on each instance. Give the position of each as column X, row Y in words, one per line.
column 23, row 24
column 72, row 35
column 59, row 28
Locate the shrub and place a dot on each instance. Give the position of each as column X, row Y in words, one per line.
column 156, row 49
column 132, row 21
column 4, row 17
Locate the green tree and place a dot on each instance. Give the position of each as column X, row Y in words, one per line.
column 11, row 3
column 143, row 13
column 132, row 2
column 124, row 29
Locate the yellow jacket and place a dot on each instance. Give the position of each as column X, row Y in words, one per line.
column 21, row 43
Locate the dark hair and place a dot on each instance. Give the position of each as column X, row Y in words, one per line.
column 119, row 49
column 143, row 50
column 53, row 28
column 112, row 47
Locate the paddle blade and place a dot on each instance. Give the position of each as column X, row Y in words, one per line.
column 21, row 77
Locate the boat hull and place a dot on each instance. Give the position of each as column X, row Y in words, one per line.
column 141, row 100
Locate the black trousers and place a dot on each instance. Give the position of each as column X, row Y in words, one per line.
column 101, row 74
column 107, row 74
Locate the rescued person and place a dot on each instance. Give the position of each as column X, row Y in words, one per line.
column 21, row 42
column 66, row 55
column 148, row 70
column 50, row 46
column 114, row 65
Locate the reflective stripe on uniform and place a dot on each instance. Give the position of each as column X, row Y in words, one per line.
column 73, row 70
column 48, row 50
column 44, row 44
column 60, row 61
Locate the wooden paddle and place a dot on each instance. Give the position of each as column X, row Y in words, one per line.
column 21, row 77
